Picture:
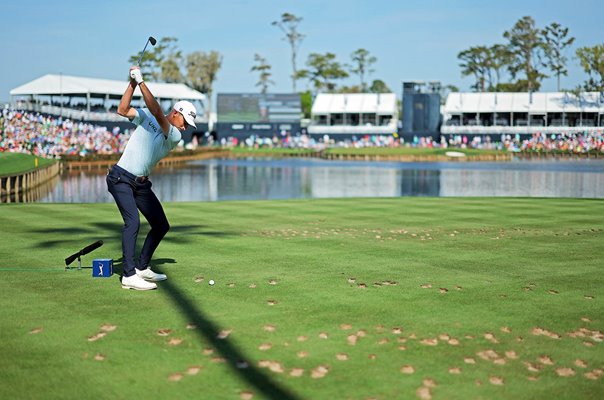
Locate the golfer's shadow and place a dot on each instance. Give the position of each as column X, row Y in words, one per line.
column 209, row 332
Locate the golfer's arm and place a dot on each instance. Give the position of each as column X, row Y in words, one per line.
column 154, row 108
column 124, row 108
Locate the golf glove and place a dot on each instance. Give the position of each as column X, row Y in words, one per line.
column 135, row 74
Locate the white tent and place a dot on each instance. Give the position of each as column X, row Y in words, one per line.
column 57, row 85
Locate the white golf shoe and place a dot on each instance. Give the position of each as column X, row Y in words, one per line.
column 150, row 276
column 137, row 283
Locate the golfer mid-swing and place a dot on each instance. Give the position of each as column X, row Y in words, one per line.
column 128, row 181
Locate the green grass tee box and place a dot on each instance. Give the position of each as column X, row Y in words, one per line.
column 443, row 298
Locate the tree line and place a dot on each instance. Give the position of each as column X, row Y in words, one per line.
column 528, row 55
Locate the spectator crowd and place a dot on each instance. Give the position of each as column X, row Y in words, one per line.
column 53, row 137
column 48, row 136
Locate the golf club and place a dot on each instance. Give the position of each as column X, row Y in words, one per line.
column 153, row 41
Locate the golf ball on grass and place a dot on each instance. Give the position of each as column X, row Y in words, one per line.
column 211, row 282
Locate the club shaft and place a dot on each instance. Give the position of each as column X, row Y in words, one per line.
column 143, row 53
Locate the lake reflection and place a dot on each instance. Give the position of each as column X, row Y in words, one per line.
column 255, row 179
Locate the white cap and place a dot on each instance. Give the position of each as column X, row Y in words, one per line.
column 187, row 110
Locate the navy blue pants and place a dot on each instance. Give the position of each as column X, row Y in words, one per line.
column 132, row 194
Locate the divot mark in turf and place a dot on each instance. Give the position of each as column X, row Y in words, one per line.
column 429, row 341
column 426, row 286
column 588, row 344
column 537, row 331
column 108, row 327
column 585, row 319
column 224, row 334
column 296, row 372
column 565, row 372
column 407, row 369
column 361, row 333
column 443, row 290
column 469, row 360
column 207, row 351
column 545, row 360
column 362, row 286
column 175, row 377
column 429, row 382
column 246, row 395
column 444, row 337
column 99, row 357
column 231, row 284
column 323, row 335
column 265, row 346
column 397, row 331
column 271, row 302
column 269, row 328
column 511, row 354
column 402, row 348
column 319, row 372
column 175, row 341
column 552, row 291
column 496, row 380
column 455, row 370
column 302, row 354
column 164, row 332
column 302, row 338
column 352, row 339
column 453, row 342
column 198, row 279
column 457, row 287
column 532, row 378
column 194, row 369
column 532, row 367
column 371, row 356
column 191, row 326
column 383, row 341
column 96, row 337
column 36, row 330
column 505, row 329
column 273, row 282
column 588, row 297
column 218, row 359
column 352, row 280
column 345, row 327
column 252, row 286
column 424, row 393
column 592, row 375
column 581, row 363
column 488, row 355
column 491, row 338
column 342, row 356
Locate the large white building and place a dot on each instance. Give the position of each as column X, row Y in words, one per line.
column 94, row 99
column 354, row 114
column 522, row 113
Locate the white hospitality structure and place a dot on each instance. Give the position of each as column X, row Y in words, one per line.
column 355, row 114
column 93, row 99
column 522, row 113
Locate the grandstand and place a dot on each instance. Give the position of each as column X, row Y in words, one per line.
column 522, row 113
column 356, row 114
column 95, row 100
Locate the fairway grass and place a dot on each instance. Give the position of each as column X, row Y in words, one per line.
column 443, row 298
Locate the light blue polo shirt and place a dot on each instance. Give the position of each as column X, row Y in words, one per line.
column 147, row 144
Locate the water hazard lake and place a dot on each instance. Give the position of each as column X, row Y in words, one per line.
column 294, row 178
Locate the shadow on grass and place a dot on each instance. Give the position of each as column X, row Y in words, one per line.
column 207, row 330
column 76, row 236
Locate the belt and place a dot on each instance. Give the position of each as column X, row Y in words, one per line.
column 139, row 179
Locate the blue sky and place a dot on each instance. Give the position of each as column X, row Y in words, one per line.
column 412, row 40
